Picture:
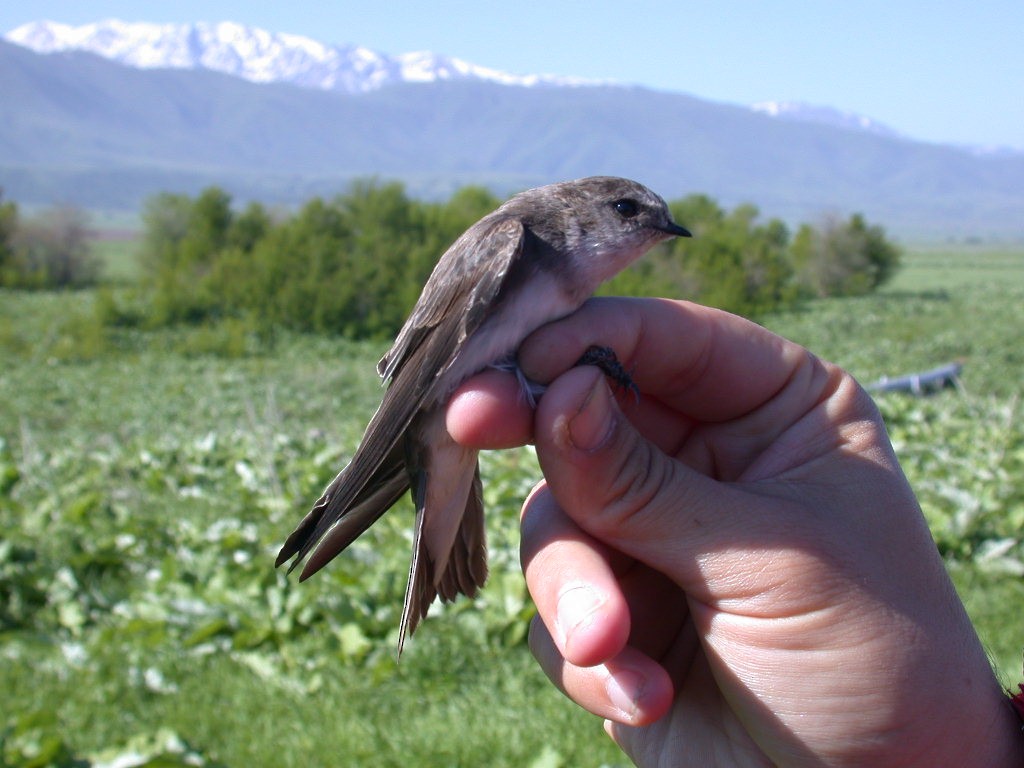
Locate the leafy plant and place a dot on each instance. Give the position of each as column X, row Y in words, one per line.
column 145, row 488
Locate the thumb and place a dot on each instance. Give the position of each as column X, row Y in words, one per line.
column 616, row 484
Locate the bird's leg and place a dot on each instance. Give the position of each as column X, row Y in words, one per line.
column 530, row 390
column 602, row 357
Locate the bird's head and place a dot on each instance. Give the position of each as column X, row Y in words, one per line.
column 603, row 223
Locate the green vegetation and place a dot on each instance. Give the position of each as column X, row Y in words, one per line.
column 48, row 250
column 843, row 259
column 354, row 266
column 148, row 477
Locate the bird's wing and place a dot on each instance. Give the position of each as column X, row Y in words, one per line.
column 383, row 489
column 477, row 263
column 474, row 271
column 387, row 486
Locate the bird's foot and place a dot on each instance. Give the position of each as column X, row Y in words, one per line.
column 602, row 357
column 605, row 359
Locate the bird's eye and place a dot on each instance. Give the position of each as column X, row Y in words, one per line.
column 626, row 208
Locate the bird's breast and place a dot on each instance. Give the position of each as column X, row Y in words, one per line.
column 536, row 302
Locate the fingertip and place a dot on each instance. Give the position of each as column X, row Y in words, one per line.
column 576, row 411
column 488, row 411
column 572, row 583
column 631, row 689
column 593, row 625
column 639, row 689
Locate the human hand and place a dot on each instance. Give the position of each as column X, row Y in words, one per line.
column 733, row 570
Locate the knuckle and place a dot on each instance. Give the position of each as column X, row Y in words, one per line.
column 636, row 480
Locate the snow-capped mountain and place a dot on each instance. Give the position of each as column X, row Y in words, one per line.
column 812, row 113
column 93, row 131
column 269, row 57
column 258, row 55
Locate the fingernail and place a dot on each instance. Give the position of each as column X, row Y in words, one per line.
column 592, row 425
column 624, row 690
column 576, row 608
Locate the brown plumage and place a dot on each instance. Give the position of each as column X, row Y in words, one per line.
column 533, row 260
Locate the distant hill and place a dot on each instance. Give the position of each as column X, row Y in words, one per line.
column 79, row 128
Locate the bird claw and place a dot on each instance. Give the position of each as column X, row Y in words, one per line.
column 605, row 359
column 601, row 357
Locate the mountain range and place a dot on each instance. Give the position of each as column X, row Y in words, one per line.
column 260, row 56
column 107, row 114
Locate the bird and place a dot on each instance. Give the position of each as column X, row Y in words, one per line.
column 534, row 259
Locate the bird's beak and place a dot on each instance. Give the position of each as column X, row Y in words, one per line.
column 674, row 229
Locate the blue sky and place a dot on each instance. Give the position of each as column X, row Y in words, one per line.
column 942, row 71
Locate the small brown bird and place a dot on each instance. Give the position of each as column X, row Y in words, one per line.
column 535, row 259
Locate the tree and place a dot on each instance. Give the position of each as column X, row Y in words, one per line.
column 183, row 241
column 48, row 250
column 165, row 219
column 355, row 265
column 882, row 255
column 839, row 258
column 734, row 261
column 8, row 226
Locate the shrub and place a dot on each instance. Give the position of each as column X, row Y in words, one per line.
column 48, row 250
column 734, row 261
column 843, row 258
column 354, row 265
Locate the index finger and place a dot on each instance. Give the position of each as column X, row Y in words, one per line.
column 705, row 363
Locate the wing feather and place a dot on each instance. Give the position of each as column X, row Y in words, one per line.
column 470, row 274
column 476, row 264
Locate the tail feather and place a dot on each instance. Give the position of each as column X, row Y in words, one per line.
column 459, row 566
column 466, row 570
column 419, row 589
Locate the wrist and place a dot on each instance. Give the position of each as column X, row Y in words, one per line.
column 1015, row 730
column 1006, row 737
column 980, row 726
column 996, row 739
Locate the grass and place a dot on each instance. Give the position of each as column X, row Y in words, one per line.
column 119, row 260
column 937, row 310
column 427, row 711
column 947, row 268
column 147, row 478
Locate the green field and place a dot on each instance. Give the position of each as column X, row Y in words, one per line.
column 147, row 479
